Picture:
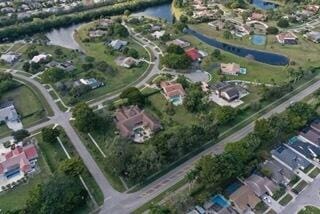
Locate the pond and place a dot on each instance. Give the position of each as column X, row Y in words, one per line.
column 258, row 39
column 160, row 11
column 264, row 5
column 64, row 37
column 260, row 56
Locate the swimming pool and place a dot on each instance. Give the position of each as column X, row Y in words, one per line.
column 258, row 39
column 221, row 201
column 176, row 100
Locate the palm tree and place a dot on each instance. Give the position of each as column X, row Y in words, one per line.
column 191, row 177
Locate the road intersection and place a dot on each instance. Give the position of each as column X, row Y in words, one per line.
column 116, row 202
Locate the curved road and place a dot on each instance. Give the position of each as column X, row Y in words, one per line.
column 116, row 202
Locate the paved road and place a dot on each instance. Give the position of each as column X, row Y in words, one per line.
column 309, row 196
column 116, row 202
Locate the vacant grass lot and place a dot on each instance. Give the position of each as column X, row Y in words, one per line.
column 256, row 71
column 305, row 54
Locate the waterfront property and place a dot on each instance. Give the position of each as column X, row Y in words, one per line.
column 258, row 39
column 287, row 38
column 135, row 124
column 230, row 68
column 173, row 92
column 179, row 42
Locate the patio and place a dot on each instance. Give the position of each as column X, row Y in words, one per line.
column 141, row 134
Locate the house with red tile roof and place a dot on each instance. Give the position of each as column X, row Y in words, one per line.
column 135, row 124
column 19, row 160
column 173, row 92
column 287, row 38
column 257, row 16
column 193, row 54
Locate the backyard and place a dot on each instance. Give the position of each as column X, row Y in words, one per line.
column 304, row 53
column 50, row 156
column 28, row 106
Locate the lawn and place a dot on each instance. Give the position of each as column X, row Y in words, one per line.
column 280, row 192
column 27, row 104
column 300, row 186
column 305, row 53
column 16, row 199
column 310, row 210
column 293, row 181
column 122, row 77
column 314, row 173
column 50, row 156
column 285, row 200
column 182, row 116
column 256, row 71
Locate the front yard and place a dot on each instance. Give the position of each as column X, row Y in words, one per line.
column 285, row 200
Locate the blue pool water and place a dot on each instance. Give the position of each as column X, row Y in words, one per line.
column 260, row 56
column 258, row 39
column 261, row 4
column 221, row 201
column 177, row 100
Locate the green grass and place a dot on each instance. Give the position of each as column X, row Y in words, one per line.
column 285, row 200
column 256, row 71
column 314, row 173
column 280, row 192
column 261, row 207
column 309, row 210
column 304, row 54
column 295, row 180
column 307, row 170
column 300, row 186
column 16, row 198
column 181, row 116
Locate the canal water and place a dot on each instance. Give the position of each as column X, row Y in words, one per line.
column 264, row 5
column 260, row 56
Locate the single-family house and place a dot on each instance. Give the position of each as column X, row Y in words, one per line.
column 313, row 8
column 105, row 23
column 244, row 199
column 261, row 185
column 287, row 38
column 257, row 17
column 307, row 150
column 313, row 36
column 158, row 34
column 92, row 82
column 289, row 158
column 193, row 54
column 40, row 58
column 118, row 44
column 226, row 91
column 311, row 134
column 279, row 173
column 10, row 57
column 66, row 66
column 173, row 92
column 230, row 68
column 126, row 62
column 179, row 42
column 154, row 28
column 20, row 160
column 9, row 115
column 135, row 124
column 97, row 33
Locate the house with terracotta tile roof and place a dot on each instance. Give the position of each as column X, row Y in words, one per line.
column 287, row 38
column 230, row 68
column 244, row 199
column 173, row 92
column 19, row 160
column 135, row 124
column 257, row 16
column 193, row 54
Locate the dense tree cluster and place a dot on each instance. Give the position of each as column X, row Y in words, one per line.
column 160, row 151
column 7, row 83
column 42, row 25
column 239, row 159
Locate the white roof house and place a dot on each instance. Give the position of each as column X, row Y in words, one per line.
column 39, row 58
column 158, row 34
column 9, row 57
column 118, row 44
column 9, row 115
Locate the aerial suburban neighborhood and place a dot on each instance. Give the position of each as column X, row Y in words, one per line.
column 160, row 106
